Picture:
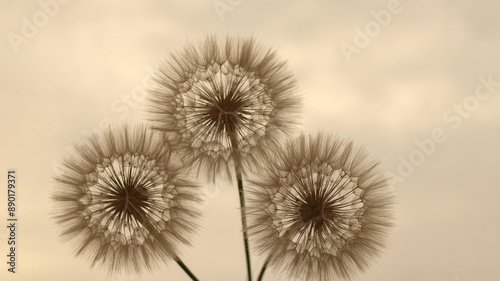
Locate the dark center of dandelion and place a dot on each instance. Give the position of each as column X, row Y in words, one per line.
column 226, row 113
column 315, row 211
column 129, row 201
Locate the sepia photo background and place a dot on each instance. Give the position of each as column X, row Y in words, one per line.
column 416, row 82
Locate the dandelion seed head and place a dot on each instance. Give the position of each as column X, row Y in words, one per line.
column 221, row 100
column 123, row 201
column 321, row 211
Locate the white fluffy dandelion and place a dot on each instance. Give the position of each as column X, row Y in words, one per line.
column 122, row 200
column 224, row 103
column 321, row 211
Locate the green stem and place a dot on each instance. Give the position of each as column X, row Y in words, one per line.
column 237, row 168
column 184, row 267
column 244, row 224
column 264, row 267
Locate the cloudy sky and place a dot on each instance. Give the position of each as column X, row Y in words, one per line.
column 393, row 75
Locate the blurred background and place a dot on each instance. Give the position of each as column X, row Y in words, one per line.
column 417, row 82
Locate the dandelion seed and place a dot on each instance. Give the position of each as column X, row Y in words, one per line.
column 322, row 211
column 224, row 103
column 122, row 200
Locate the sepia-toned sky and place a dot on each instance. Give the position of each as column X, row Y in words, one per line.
column 420, row 88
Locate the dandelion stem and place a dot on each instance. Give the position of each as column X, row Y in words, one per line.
column 184, row 267
column 237, row 167
column 264, row 267
column 244, row 224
